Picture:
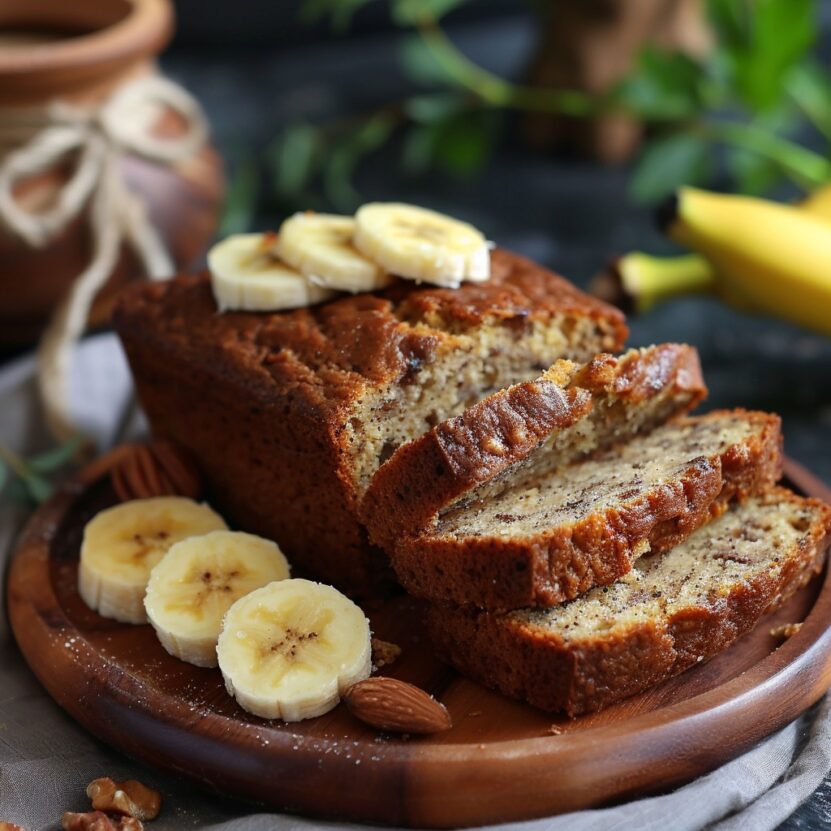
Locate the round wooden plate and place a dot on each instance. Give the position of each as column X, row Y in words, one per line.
column 501, row 761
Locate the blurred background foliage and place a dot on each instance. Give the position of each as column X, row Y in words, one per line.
column 748, row 110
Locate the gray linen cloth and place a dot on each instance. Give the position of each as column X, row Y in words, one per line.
column 46, row 760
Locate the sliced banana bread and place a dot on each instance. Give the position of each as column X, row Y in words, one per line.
column 291, row 413
column 528, row 430
column 540, row 536
column 669, row 613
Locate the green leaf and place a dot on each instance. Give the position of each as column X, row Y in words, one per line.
column 339, row 12
column 782, row 33
column 668, row 163
column 17, row 493
column 241, row 199
column 809, row 86
column 430, row 108
column 56, row 458
column 38, row 488
column 421, row 65
column 754, row 174
column 419, row 146
column 730, row 20
column 294, row 158
column 785, row 29
column 461, row 144
column 345, row 157
column 413, row 12
column 464, row 144
column 665, row 86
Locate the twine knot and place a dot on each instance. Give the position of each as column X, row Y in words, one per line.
column 100, row 137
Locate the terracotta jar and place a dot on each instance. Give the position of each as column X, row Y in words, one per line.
column 81, row 53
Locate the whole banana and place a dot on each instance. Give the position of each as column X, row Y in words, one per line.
column 768, row 257
column 642, row 281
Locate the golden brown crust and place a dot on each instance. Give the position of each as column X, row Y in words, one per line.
column 503, row 572
column 426, row 475
column 262, row 399
column 539, row 667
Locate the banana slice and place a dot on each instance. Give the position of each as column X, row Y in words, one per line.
column 198, row 580
column 421, row 245
column 247, row 275
column 122, row 544
column 320, row 246
column 289, row 649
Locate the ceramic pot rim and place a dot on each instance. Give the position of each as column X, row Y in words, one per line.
column 142, row 32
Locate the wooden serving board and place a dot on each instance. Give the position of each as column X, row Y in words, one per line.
column 501, row 761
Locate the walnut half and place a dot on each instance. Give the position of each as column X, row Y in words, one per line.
column 129, row 798
column 98, row 821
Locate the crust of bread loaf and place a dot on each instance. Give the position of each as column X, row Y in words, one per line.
column 540, row 668
column 428, row 474
column 261, row 399
column 503, row 573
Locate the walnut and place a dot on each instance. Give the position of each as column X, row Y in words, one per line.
column 383, row 652
column 130, row 798
column 90, row 821
column 98, row 821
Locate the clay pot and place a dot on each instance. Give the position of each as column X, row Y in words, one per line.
column 80, row 53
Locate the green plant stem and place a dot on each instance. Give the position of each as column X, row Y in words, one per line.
column 496, row 91
column 805, row 167
column 15, row 463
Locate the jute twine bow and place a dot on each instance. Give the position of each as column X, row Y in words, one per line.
column 100, row 137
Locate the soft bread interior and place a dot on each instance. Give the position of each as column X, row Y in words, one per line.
column 611, row 421
column 546, row 494
column 748, row 542
column 476, row 364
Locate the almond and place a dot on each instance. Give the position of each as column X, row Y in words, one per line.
column 160, row 468
column 396, row 706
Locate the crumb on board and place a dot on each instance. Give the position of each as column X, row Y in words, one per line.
column 785, row 630
column 384, row 652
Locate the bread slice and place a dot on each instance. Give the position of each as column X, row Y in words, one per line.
column 669, row 613
column 527, row 431
column 290, row 414
column 548, row 535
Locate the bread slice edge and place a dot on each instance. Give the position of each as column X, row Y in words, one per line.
column 526, row 662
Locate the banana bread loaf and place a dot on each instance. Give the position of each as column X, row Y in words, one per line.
column 291, row 413
column 528, row 430
column 669, row 613
column 548, row 535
